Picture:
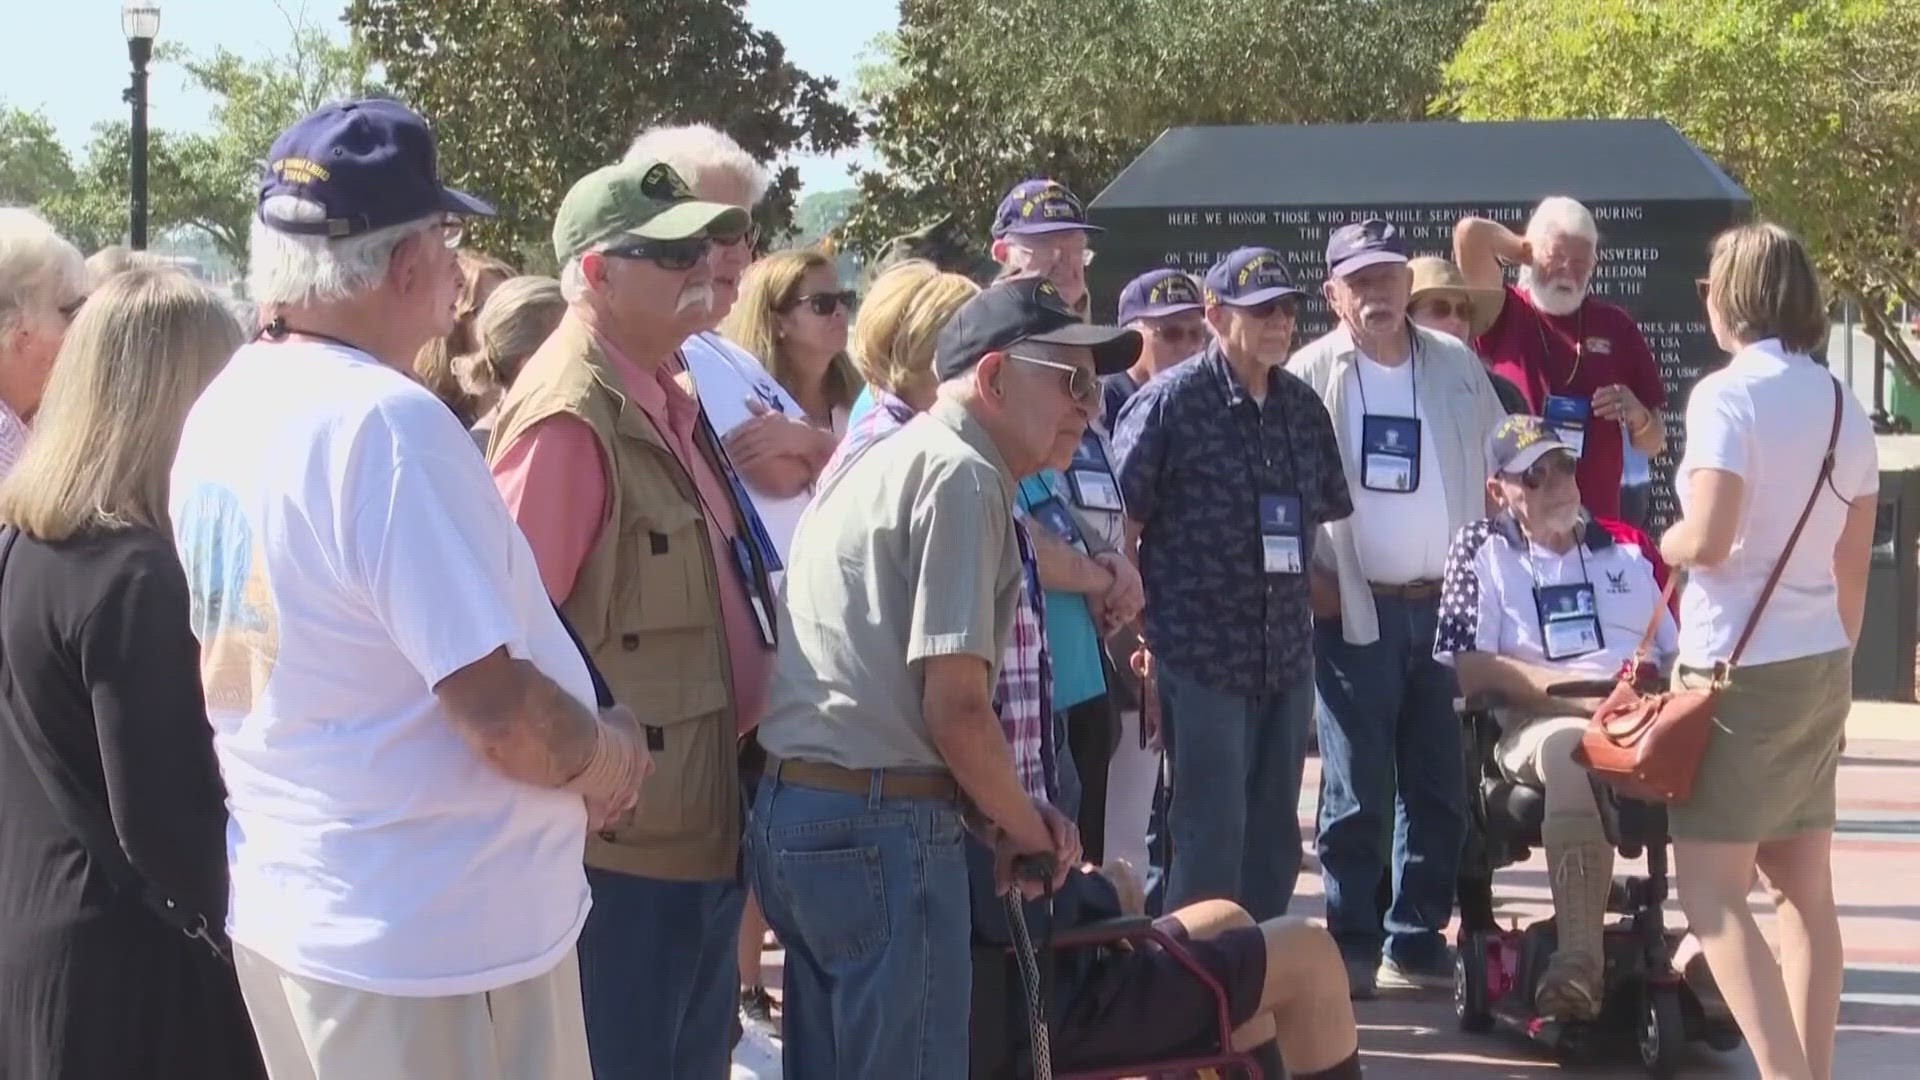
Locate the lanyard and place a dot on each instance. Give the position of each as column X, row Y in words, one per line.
column 1579, row 350
column 1254, row 450
column 1413, row 375
column 1526, row 555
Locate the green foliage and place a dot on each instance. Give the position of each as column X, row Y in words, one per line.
column 1813, row 105
column 33, row 164
column 819, row 214
column 974, row 95
column 527, row 97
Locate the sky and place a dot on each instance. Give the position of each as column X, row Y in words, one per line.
column 69, row 59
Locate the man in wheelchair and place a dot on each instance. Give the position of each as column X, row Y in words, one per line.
column 1133, row 1003
column 1534, row 596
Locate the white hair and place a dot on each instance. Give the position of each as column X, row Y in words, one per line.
column 700, row 150
column 573, row 282
column 1561, row 216
column 35, row 261
column 289, row 269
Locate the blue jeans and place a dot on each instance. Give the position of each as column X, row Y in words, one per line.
column 869, row 898
column 658, row 977
column 1234, row 815
column 1388, row 716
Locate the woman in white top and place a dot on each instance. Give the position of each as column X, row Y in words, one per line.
column 792, row 316
column 1757, row 432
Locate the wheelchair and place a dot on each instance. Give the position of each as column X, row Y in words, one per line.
column 997, row 1035
column 1645, row 1002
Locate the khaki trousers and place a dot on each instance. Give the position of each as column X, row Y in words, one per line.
column 311, row 1030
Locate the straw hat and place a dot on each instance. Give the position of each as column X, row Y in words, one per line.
column 1431, row 274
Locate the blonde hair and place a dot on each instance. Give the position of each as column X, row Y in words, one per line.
column 1763, row 285
column 434, row 364
column 900, row 320
column 768, row 290
column 141, row 351
column 511, row 326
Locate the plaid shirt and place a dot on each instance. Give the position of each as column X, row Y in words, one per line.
column 1021, row 699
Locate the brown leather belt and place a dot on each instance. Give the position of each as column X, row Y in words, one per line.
column 1412, row 590
column 894, row 783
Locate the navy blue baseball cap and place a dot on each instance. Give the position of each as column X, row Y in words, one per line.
column 1027, row 308
column 371, row 164
column 1250, row 276
column 1035, row 207
column 1363, row 244
column 1157, row 294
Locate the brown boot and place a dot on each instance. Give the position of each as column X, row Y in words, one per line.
column 1575, row 979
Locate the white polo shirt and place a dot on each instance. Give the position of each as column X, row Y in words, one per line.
column 1487, row 600
column 1765, row 417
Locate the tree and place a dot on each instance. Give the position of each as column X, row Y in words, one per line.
column 528, row 97
column 1812, row 105
column 819, row 214
column 962, row 107
column 33, row 164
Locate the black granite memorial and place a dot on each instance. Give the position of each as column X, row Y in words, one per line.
column 1198, row 193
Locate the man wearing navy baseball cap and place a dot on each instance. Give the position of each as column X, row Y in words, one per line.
column 1166, row 307
column 1411, row 409
column 1228, row 467
column 1041, row 228
column 410, row 737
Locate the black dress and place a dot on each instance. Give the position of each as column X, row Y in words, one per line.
column 97, row 651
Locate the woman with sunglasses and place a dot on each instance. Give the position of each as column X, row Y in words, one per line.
column 792, row 316
column 43, row 282
column 1442, row 300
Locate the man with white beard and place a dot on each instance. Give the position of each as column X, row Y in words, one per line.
column 1581, row 363
column 644, row 536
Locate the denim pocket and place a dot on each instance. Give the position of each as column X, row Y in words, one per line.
column 837, row 900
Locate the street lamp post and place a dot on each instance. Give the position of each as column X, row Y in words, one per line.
column 140, row 20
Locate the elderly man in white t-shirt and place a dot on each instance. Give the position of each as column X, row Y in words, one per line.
column 408, row 735
column 1538, row 595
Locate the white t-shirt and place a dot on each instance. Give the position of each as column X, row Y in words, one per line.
column 1400, row 536
column 1488, row 602
column 1765, row 417
column 346, row 551
column 725, row 376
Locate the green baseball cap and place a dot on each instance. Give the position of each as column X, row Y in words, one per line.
column 646, row 199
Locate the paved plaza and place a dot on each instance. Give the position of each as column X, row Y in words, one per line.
column 1877, row 871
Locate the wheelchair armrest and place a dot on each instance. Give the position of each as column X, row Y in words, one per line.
column 1483, row 702
column 1104, row 932
column 1582, row 688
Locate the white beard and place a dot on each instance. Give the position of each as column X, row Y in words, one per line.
column 1553, row 298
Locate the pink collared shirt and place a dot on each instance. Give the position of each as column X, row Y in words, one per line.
column 554, row 480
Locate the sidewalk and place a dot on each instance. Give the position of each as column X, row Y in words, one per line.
column 1877, row 883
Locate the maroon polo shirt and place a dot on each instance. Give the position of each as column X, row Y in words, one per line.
column 1574, row 356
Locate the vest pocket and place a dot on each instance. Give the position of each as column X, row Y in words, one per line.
column 693, row 796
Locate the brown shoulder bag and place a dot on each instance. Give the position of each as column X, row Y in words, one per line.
column 1648, row 746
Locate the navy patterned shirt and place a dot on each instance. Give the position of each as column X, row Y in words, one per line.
column 1195, row 454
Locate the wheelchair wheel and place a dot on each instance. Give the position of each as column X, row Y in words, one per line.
column 1470, row 1004
column 1663, row 1032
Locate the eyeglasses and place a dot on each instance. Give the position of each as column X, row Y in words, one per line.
column 1444, row 309
column 823, row 304
column 71, row 309
column 676, row 255
column 452, row 232
column 1547, row 470
column 1056, row 255
column 1267, row 309
column 1082, row 387
column 1181, row 333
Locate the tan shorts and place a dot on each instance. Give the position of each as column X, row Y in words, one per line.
column 312, row 1030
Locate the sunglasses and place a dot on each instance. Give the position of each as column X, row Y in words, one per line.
column 822, row 304
column 1445, row 309
column 1181, row 334
column 683, row 254
column 1082, row 386
column 1267, row 309
column 1547, row 470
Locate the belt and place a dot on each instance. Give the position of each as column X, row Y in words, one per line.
column 894, row 783
column 1412, row 590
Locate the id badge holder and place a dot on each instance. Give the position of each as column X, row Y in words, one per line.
column 1091, row 478
column 1390, row 453
column 1053, row 516
column 762, row 614
column 1282, row 534
column 1569, row 621
column 1569, row 418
